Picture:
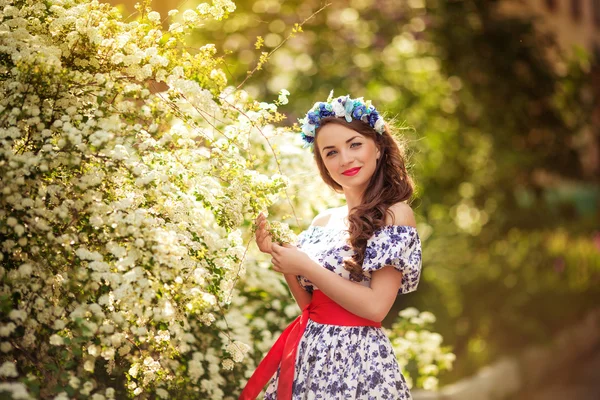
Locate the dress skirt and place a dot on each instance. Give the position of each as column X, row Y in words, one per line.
column 344, row 362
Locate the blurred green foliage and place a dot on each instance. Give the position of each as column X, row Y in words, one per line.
column 496, row 132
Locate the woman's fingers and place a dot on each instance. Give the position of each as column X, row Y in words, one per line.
column 263, row 234
column 275, row 247
column 276, row 265
column 259, row 222
column 262, row 237
column 260, row 233
column 260, row 240
column 260, row 230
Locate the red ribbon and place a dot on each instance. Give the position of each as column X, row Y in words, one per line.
column 321, row 309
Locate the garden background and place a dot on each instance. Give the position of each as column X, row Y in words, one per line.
column 137, row 149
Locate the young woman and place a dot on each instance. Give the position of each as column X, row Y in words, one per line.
column 347, row 267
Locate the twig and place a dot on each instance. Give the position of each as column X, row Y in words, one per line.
column 281, row 44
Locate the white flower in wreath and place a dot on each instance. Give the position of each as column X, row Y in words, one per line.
column 339, row 109
column 308, row 129
column 379, row 125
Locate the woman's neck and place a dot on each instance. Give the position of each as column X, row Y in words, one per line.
column 353, row 199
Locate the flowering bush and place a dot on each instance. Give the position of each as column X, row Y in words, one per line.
column 418, row 350
column 120, row 204
column 128, row 169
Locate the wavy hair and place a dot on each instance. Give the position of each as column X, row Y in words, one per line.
column 389, row 185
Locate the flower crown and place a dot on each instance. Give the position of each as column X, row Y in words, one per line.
column 342, row 106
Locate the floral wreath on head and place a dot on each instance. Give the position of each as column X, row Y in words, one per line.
column 341, row 107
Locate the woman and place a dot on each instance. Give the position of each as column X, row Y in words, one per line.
column 347, row 267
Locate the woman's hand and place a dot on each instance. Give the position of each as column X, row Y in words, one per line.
column 263, row 237
column 289, row 260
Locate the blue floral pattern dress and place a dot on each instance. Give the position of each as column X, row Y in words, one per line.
column 352, row 362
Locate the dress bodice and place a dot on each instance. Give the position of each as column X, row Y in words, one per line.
column 396, row 245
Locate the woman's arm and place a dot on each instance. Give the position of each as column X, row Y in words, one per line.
column 372, row 303
column 302, row 296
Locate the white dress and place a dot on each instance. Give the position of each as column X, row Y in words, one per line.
column 352, row 362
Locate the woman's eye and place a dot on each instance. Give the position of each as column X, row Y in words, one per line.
column 355, row 144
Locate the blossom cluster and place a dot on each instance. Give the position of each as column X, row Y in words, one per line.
column 419, row 351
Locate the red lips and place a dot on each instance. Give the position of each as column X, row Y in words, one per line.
column 351, row 171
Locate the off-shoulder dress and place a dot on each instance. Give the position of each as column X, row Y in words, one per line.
column 347, row 362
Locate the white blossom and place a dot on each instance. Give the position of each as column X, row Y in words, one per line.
column 154, row 16
column 8, row 370
column 283, row 94
column 5, row 347
column 409, row 312
column 56, row 340
column 17, row 390
column 62, row 396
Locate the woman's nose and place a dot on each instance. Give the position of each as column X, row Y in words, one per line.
column 345, row 158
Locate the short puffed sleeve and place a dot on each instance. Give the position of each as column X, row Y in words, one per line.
column 399, row 246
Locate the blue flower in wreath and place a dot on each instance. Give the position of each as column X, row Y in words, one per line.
column 308, row 139
column 313, row 117
column 325, row 110
column 359, row 111
column 373, row 116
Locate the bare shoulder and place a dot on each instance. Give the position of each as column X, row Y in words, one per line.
column 400, row 214
column 323, row 218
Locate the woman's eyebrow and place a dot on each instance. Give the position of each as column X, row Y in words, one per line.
column 331, row 147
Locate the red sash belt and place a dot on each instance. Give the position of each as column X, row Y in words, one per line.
column 322, row 310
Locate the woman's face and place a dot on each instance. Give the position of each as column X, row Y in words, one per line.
column 350, row 158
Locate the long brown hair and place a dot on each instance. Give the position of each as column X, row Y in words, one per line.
column 389, row 185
